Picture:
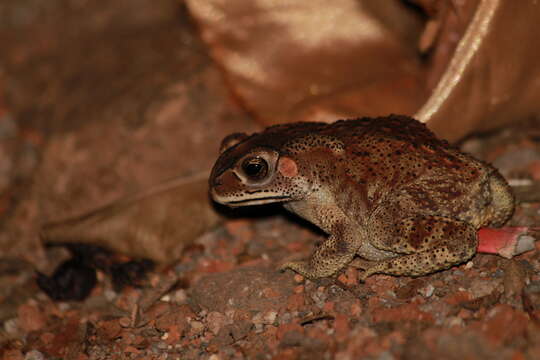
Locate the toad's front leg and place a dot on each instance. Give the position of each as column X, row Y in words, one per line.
column 331, row 256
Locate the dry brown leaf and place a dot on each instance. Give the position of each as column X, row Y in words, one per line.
column 320, row 60
column 315, row 60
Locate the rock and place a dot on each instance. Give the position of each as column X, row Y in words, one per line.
column 30, row 317
column 255, row 288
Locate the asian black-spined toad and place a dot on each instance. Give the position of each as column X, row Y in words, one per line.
column 385, row 189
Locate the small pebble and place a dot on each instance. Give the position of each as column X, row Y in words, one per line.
column 197, row 326
column 427, row 290
column 454, row 321
column 216, row 321
column 11, row 326
column 259, row 328
column 179, row 296
column 270, row 317
column 319, row 297
column 264, row 318
column 162, row 345
column 124, row 322
column 285, row 318
column 34, row 355
column 110, row 295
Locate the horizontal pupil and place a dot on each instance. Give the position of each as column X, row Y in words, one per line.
column 254, row 168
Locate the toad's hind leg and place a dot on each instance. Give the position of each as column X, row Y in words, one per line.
column 424, row 244
column 502, row 205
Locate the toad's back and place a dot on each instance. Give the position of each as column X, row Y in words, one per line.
column 398, row 160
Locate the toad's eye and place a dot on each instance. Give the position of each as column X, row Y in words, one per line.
column 255, row 167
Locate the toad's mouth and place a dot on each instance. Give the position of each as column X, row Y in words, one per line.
column 258, row 201
column 253, row 198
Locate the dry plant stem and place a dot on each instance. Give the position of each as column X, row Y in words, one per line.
column 166, row 284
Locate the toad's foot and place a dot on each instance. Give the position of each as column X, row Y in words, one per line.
column 301, row 267
column 304, row 268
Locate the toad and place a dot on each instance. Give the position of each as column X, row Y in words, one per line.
column 384, row 189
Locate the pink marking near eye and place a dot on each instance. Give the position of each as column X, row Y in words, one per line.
column 287, row 167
